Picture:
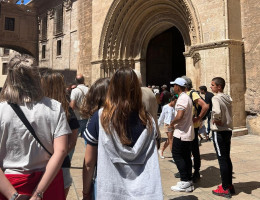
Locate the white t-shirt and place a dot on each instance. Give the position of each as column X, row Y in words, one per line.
column 167, row 115
column 77, row 95
column 184, row 129
column 19, row 150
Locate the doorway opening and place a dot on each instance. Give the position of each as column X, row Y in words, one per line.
column 164, row 59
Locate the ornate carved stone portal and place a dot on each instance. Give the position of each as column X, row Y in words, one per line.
column 131, row 24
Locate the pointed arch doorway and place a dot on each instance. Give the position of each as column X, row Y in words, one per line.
column 164, row 59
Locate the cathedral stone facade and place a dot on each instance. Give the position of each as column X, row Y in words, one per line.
column 163, row 39
column 217, row 42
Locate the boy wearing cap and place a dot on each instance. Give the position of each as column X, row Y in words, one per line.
column 183, row 136
column 197, row 117
column 221, row 126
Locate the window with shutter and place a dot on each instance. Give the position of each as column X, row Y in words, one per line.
column 9, row 24
column 58, row 20
column 44, row 27
column 43, row 51
column 58, row 47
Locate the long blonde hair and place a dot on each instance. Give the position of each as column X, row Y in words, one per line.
column 124, row 97
column 53, row 86
column 22, row 84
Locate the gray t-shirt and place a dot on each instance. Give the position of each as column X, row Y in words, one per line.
column 19, row 151
column 77, row 95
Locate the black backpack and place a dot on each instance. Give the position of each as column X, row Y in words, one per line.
column 198, row 109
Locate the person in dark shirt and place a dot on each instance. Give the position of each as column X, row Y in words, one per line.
column 208, row 97
column 165, row 96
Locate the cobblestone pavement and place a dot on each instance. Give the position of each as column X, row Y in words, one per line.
column 245, row 155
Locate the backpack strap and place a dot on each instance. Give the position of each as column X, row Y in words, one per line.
column 25, row 121
column 191, row 92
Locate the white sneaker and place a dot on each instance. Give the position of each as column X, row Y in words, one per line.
column 160, row 154
column 183, row 186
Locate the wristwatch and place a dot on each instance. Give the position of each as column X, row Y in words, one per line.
column 39, row 194
column 15, row 195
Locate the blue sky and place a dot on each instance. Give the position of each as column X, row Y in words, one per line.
column 25, row 1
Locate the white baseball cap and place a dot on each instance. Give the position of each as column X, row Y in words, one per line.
column 179, row 81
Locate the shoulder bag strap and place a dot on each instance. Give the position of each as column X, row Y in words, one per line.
column 22, row 117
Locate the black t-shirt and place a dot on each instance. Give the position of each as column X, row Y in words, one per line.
column 208, row 99
column 73, row 122
column 91, row 133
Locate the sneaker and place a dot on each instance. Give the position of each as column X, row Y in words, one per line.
column 231, row 189
column 221, row 192
column 183, row 186
column 160, row 154
column 177, row 175
column 195, row 177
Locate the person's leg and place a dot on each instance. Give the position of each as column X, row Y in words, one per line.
column 196, row 151
column 208, row 128
column 167, row 141
column 165, row 145
column 170, row 139
column 187, row 159
column 179, row 153
column 228, row 136
column 223, row 157
column 82, row 126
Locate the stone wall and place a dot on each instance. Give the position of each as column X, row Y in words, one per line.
column 85, row 38
column 67, row 62
column 251, row 36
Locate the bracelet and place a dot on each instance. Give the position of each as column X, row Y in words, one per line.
column 15, row 195
column 39, row 194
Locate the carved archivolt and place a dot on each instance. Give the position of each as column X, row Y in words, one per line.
column 131, row 24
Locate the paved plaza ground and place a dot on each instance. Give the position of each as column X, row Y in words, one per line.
column 245, row 155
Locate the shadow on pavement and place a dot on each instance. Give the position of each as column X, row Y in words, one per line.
column 209, row 156
column 246, row 187
column 210, row 177
column 189, row 197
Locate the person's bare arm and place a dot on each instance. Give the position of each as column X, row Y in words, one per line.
column 6, row 187
column 178, row 118
column 53, row 166
column 73, row 104
column 204, row 109
column 88, row 170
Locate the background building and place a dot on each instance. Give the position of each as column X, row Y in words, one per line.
column 162, row 39
column 4, row 58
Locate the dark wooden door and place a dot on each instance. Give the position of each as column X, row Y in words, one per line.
column 165, row 60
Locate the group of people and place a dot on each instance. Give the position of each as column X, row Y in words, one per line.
column 117, row 119
column 182, row 118
column 39, row 129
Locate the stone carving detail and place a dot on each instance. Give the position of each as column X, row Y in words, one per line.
column 196, row 58
column 111, row 43
column 39, row 21
column 51, row 13
column 67, row 4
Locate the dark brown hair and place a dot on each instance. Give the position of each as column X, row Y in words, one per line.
column 219, row 81
column 124, row 97
column 95, row 97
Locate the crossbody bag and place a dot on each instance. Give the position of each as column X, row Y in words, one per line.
column 66, row 163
